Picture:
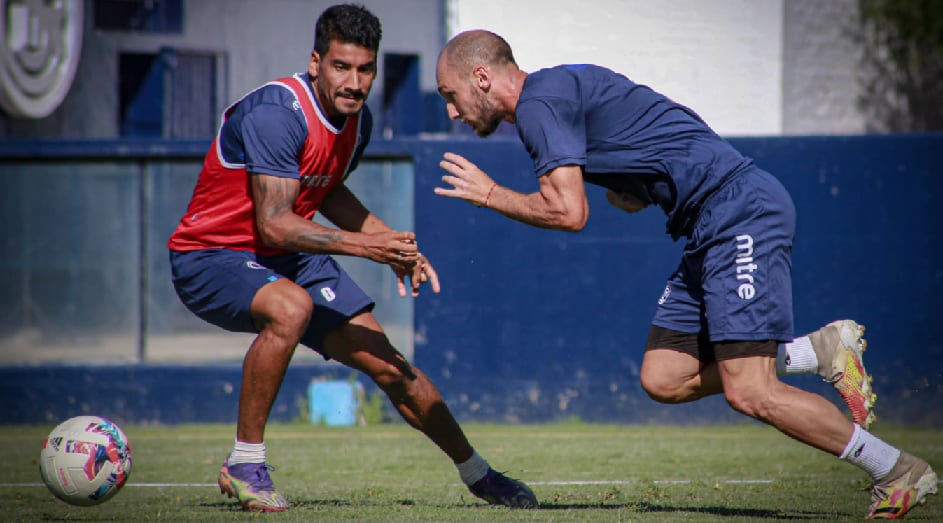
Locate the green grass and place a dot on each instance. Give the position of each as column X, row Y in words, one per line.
column 391, row 473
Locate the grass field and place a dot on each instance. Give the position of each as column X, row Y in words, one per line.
column 390, row 473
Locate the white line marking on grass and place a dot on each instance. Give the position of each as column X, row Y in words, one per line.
column 657, row 481
column 126, row 485
column 548, row 483
column 172, row 485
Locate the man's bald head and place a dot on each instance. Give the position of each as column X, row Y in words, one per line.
column 477, row 47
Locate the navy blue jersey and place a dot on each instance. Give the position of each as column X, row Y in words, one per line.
column 626, row 137
column 264, row 131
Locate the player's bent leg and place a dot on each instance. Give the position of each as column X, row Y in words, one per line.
column 838, row 347
column 678, row 366
column 751, row 387
column 362, row 345
column 905, row 487
column 281, row 311
column 672, row 376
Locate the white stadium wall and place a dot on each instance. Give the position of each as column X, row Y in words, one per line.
column 722, row 58
column 748, row 67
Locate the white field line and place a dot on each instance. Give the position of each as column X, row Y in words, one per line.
column 547, row 483
column 657, row 482
column 126, row 485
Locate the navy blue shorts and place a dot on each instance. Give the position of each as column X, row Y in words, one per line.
column 218, row 285
column 734, row 282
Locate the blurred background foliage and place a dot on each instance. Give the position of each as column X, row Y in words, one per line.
column 902, row 46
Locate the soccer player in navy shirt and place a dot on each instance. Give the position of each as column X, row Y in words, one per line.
column 724, row 322
column 247, row 257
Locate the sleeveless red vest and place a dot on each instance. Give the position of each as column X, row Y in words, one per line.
column 221, row 213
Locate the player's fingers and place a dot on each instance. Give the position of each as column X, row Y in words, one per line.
column 453, row 192
column 407, row 250
column 456, row 159
column 428, row 272
column 456, row 171
column 401, row 285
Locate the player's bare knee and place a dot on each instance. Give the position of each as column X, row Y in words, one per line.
column 659, row 388
column 287, row 316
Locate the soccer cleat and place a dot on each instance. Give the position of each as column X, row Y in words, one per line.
column 839, row 347
column 251, row 485
column 498, row 489
column 906, row 486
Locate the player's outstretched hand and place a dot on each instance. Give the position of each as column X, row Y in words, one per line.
column 400, row 251
column 625, row 201
column 421, row 272
column 394, row 248
column 467, row 181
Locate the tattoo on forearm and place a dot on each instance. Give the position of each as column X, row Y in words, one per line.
column 274, row 199
column 308, row 240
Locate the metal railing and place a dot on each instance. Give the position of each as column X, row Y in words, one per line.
column 85, row 278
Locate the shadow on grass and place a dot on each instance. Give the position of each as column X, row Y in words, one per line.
column 726, row 511
column 643, row 507
column 311, row 503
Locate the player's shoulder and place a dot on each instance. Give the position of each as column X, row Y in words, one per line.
column 270, row 106
column 276, row 92
column 570, row 76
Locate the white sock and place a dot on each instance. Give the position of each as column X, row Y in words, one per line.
column 472, row 470
column 796, row 357
column 871, row 454
column 247, row 453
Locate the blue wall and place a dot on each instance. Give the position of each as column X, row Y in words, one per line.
column 537, row 325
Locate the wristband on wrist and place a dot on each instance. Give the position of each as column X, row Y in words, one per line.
column 488, row 197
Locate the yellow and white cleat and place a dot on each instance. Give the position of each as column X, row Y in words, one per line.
column 839, row 347
column 905, row 487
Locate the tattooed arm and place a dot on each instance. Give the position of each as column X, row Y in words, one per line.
column 280, row 227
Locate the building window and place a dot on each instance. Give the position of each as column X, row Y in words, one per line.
column 148, row 16
column 170, row 94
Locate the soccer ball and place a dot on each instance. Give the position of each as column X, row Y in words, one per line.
column 85, row 460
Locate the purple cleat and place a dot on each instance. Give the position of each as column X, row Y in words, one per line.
column 498, row 489
column 251, row 485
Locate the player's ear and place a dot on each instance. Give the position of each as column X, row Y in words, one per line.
column 313, row 63
column 482, row 77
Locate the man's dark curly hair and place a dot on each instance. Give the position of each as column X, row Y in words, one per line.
column 347, row 23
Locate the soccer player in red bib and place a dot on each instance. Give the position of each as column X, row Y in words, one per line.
column 724, row 321
column 247, row 256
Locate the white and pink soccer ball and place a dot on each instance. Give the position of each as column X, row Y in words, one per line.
column 85, row 460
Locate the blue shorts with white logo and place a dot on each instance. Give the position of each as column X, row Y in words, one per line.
column 734, row 282
column 218, row 285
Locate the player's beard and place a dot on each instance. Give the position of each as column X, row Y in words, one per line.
column 491, row 117
column 349, row 104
